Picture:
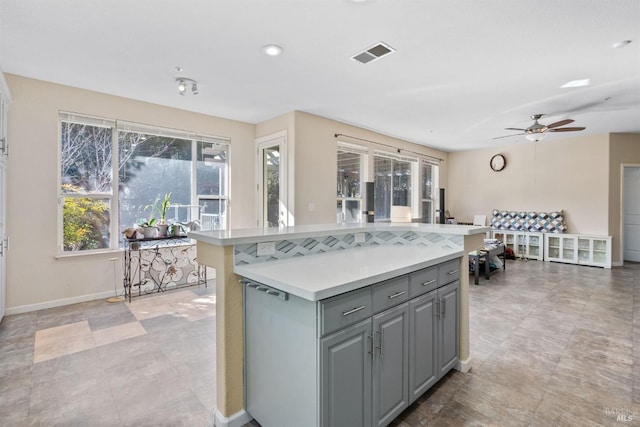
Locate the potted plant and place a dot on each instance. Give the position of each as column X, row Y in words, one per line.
column 148, row 228
column 164, row 207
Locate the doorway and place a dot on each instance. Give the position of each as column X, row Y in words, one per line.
column 271, row 183
column 631, row 213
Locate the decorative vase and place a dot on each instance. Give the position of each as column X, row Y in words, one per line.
column 175, row 230
column 149, row 232
column 162, row 230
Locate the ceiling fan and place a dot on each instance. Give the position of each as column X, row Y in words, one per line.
column 536, row 131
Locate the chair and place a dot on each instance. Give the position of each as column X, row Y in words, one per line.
column 480, row 220
column 400, row 214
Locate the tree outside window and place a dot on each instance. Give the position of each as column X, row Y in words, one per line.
column 86, row 177
column 149, row 165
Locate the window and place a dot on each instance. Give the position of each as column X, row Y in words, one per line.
column 86, row 182
column 429, row 173
column 151, row 162
column 393, row 183
column 352, row 162
column 211, row 182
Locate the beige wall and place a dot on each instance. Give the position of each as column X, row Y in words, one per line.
column 624, row 149
column 570, row 174
column 580, row 175
column 316, row 163
column 34, row 276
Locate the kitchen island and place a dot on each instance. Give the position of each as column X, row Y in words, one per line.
column 348, row 259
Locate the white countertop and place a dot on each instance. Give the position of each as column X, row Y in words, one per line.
column 320, row 276
column 254, row 235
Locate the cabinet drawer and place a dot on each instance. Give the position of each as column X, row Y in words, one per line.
column 423, row 281
column 448, row 272
column 343, row 310
column 390, row 293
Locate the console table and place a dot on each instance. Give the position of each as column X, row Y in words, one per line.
column 484, row 255
column 157, row 264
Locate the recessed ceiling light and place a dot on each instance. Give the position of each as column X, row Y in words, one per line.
column 621, row 43
column 577, row 83
column 272, row 49
column 179, row 69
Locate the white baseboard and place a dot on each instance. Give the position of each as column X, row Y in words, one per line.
column 56, row 303
column 464, row 365
column 236, row 420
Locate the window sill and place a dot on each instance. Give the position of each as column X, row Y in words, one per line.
column 82, row 254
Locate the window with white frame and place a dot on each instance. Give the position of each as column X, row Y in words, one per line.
column 394, row 179
column 429, row 175
column 86, row 182
column 352, row 165
column 100, row 198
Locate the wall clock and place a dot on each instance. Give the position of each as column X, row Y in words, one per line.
column 498, row 162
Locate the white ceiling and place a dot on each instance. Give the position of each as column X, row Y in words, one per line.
column 463, row 70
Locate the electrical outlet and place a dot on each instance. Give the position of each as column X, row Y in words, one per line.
column 360, row 238
column 266, row 248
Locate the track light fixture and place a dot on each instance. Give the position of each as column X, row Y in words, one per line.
column 183, row 84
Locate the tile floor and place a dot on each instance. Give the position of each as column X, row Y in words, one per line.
column 552, row 345
column 148, row 363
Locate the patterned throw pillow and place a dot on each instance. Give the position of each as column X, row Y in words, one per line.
column 542, row 222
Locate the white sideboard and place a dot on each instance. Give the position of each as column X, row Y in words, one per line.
column 558, row 247
column 523, row 243
column 578, row 249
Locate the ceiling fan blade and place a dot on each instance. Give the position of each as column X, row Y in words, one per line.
column 514, row 129
column 566, row 129
column 560, row 123
column 507, row 136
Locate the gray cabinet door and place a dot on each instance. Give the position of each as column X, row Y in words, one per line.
column 346, row 377
column 448, row 328
column 423, row 354
column 390, row 364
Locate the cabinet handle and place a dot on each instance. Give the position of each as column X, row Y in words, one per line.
column 370, row 337
column 429, row 282
column 397, row 294
column 353, row 310
column 437, row 308
column 452, row 272
column 443, row 305
column 381, row 333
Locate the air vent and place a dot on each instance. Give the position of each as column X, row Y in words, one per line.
column 374, row 52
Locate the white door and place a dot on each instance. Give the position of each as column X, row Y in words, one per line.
column 272, row 181
column 3, row 206
column 631, row 203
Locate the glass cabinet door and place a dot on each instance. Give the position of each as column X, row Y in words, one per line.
column 534, row 245
column 584, row 252
column 599, row 251
column 554, row 247
column 568, row 248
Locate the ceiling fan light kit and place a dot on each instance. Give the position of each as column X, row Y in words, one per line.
column 537, row 131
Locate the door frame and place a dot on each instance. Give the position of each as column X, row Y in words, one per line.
column 286, row 199
column 622, row 168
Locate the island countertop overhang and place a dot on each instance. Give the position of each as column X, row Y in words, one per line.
column 321, row 276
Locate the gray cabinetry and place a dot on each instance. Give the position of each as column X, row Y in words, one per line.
column 423, row 354
column 346, row 376
column 433, row 338
column 356, row 359
column 447, row 314
column 390, row 364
